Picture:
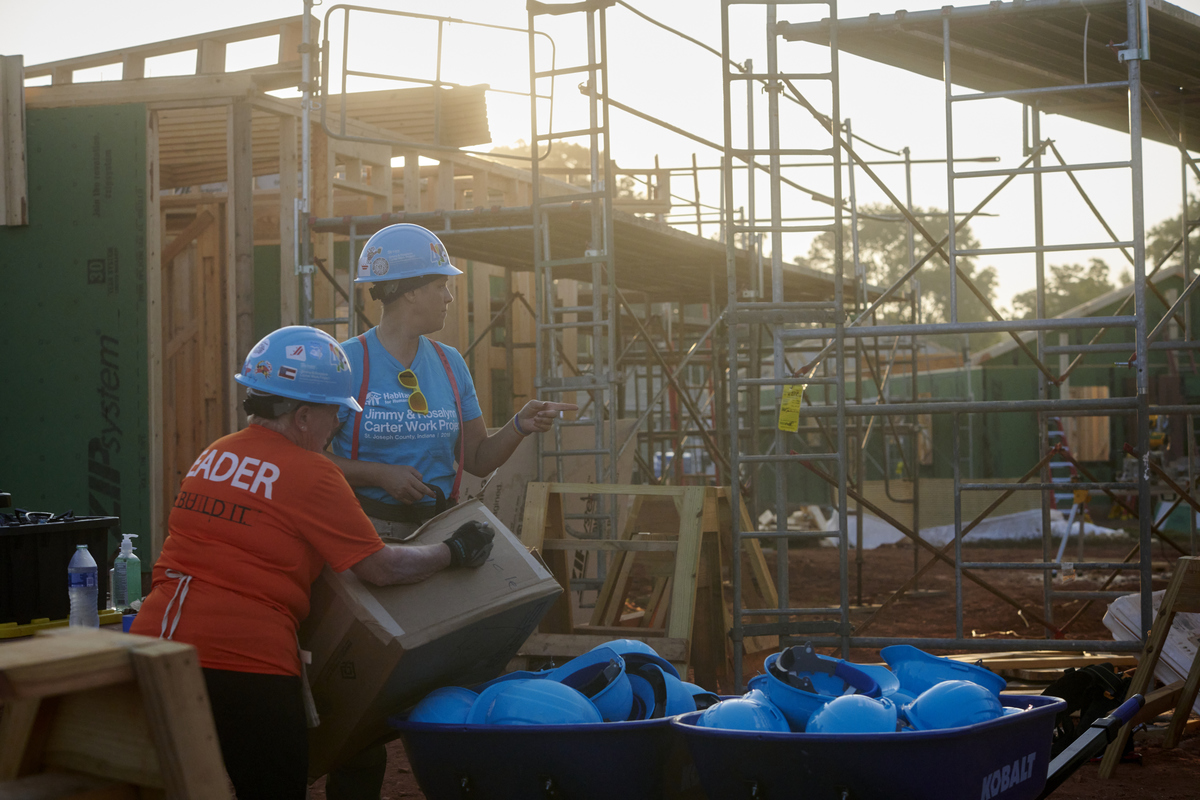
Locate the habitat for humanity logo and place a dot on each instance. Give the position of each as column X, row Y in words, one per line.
column 383, row 398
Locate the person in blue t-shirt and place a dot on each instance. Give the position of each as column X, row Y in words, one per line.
column 421, row 424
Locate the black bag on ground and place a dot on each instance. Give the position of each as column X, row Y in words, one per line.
column 1092, row 692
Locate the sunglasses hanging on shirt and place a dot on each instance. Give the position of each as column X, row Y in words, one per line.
column 416, row 400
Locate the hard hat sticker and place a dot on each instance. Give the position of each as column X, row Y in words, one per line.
column 437, row 254
column 261, row 347
column 339, row 358
column 379, row 266
column 287, row 373
column 316, row 351
column 295, row 352
column 263, row 368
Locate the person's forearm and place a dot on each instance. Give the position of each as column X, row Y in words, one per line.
column 494, row 450
column 397, row 564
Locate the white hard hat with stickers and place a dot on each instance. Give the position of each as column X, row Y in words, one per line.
column 300, row 363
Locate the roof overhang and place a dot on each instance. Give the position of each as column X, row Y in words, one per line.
column 1033, row 44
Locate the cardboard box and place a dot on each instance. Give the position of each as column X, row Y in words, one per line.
column 378, row 650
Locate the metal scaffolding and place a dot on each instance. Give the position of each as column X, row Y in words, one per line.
column 628, row 309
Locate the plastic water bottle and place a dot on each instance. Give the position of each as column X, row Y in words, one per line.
column 127, row 574
column 83, row 586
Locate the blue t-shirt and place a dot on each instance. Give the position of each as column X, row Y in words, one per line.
column 389, row 432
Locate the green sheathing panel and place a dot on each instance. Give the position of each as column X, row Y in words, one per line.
column 75, row 391
column 266, row 289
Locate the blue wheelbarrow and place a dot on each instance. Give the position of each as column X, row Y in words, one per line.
column 644, row 760
column 1007, row 758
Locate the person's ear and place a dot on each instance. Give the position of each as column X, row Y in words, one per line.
column 302, row 417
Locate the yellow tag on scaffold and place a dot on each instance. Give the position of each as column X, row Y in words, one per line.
column 1081, row 497
column 789, row 407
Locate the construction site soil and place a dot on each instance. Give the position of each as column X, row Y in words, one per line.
column 814, row 576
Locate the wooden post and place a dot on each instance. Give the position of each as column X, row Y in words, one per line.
column 133, row 67
column 412, row 182
column 210, row 57
column 289, row 283
column 154, row 340
column 14, row 182
column 240, row 243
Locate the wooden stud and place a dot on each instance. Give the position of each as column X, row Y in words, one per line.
column 175, row 699
column 210, row 57
column 289, row 281
column 14, row 182
column 559, row 618
column 608, row 606
column 687, row 565
column 412, row 181
column 1182, row 595
column 133, row 67
column 291, row 36
column 154, row 343
column 533, row 526
column 184, row 239
column 174, row 88
column 240, row 247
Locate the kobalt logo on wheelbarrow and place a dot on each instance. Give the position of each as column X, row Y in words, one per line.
column 1007, row 776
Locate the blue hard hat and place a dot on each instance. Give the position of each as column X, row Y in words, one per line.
column 532, row 702
column 888, row 682
column 672, row 695
column 799, row 681
column 300, row 363
column 403, row 251
column 647, row 701
column 516, row 675
column 918, row 670
column 600, row 675
column 448, row 705
column 952, row 704
column 702, row 698
column 636, row 653
column 854, row 713
column 751, row 712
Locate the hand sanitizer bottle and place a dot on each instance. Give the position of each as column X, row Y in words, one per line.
column 127, row 574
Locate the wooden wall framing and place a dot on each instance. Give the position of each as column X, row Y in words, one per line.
column 14, row 181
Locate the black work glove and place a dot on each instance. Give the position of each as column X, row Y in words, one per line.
column 471, row 544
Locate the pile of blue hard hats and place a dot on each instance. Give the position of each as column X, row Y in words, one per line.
column 621, row 680
column 803, row 691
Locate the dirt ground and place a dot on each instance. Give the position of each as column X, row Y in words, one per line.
column 1166, row 774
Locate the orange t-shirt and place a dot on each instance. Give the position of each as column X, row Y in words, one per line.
column 255, row 520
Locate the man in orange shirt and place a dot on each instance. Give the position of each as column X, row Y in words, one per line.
column 258, row 515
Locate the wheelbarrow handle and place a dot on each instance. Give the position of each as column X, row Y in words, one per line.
column 1090, row 743
column 1128, row 710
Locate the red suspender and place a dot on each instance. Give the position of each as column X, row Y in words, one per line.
column 362, row 394
column 462, row 437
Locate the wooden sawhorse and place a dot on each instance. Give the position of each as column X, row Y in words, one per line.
column 1182, row 595
column 106, row 716
column 679, row 537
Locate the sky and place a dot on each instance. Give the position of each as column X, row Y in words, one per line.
column 662, row 75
